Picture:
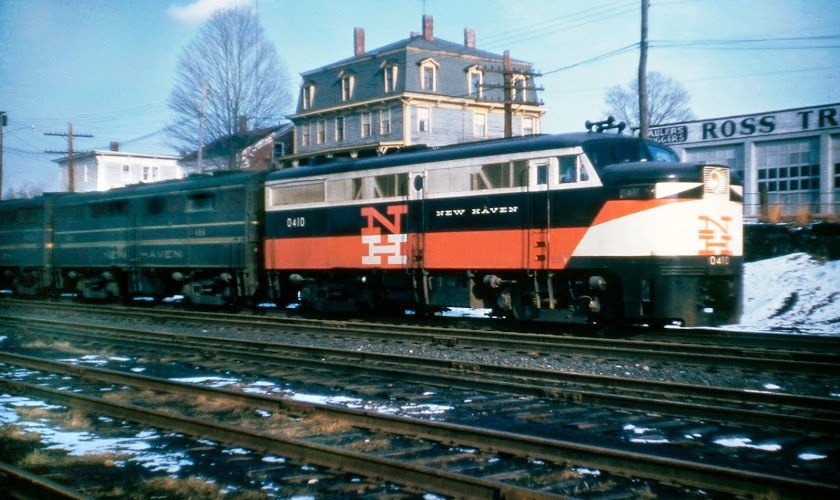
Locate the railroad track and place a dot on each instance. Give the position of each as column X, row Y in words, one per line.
column 779, row 353
column 421, row 464
column 542, row 398
column 780, row 410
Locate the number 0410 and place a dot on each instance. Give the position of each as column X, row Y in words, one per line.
column 295, row 222
column 719, row 260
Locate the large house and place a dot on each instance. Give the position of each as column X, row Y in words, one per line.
column 103, row 170
column 417, row 91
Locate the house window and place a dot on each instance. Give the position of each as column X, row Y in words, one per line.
column 126, row 172
column 339, row 129
column 305, row 139
column 429, row 78
column 366, row 121
column 385, row 122
column 308, row 96
column 347, row 84
column 479, row 125
column 391, row 72
column 528, row 125
column 424, row 119
column 428, row 75
column 322, row 131
column 475, row 80
column 155, row 173
column 519, row 89
column 146, row 170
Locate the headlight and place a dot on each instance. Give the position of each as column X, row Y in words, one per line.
column 716, row 180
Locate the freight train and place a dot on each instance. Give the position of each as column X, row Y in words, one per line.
column 584, row 227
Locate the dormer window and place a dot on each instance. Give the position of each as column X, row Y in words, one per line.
column 348, row 82
column 390, row 74
column 475, row 80
column 428, row 75
column 519, row 90
column 308, row 95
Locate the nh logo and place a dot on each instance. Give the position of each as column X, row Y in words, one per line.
column 372, row 236
column 714, row 236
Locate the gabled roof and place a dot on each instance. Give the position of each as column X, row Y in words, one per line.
column 120, row 154
column 236, row 142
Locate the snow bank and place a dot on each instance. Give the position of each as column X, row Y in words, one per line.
column 793, row 293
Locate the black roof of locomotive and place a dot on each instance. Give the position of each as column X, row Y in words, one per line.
column 476, row 149
column 195, row 182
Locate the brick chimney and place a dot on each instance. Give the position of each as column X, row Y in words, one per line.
column 115, row 146
column 358, row 41
column 428, row 28
column 469, row 38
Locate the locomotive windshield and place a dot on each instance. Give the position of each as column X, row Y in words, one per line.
column 603, row 153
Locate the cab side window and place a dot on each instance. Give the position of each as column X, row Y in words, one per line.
column 570, row 170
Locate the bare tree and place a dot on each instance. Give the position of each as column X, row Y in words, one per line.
column 23, row 191
column 668, row 101
column 247, row 85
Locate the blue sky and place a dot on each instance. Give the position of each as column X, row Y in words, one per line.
column 107, row 66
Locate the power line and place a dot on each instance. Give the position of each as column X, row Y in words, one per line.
column 594, row 59
column 560, row 23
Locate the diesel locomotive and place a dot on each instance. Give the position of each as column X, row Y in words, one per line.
column 583, row 227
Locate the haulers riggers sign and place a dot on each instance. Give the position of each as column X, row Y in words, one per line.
column 746, row 126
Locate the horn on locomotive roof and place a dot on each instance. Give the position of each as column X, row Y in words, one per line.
column 604, row 125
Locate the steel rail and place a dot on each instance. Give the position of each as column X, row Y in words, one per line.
column 699, row 340
column 820, row 362
column 801, row 413
column 673, row 471
column 22, row 484
column 396, row 471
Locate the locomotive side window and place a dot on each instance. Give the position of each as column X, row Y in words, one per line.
column 499, row 175
column 200, row 202
column 302, row 193
column 542, row 173
column 113, row 208
column 571, row 170
column 380, row 186
column 156, row 205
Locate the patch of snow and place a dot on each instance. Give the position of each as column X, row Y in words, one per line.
column 812, row 456
column 794, row 293
column 746, row 443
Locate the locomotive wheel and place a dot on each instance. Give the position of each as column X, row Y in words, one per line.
column 524, row 305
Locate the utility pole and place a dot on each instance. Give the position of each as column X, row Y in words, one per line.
column 3, row 121
column 508, row 76
column 509, row 88
column 70, row 170
column 644, row 118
